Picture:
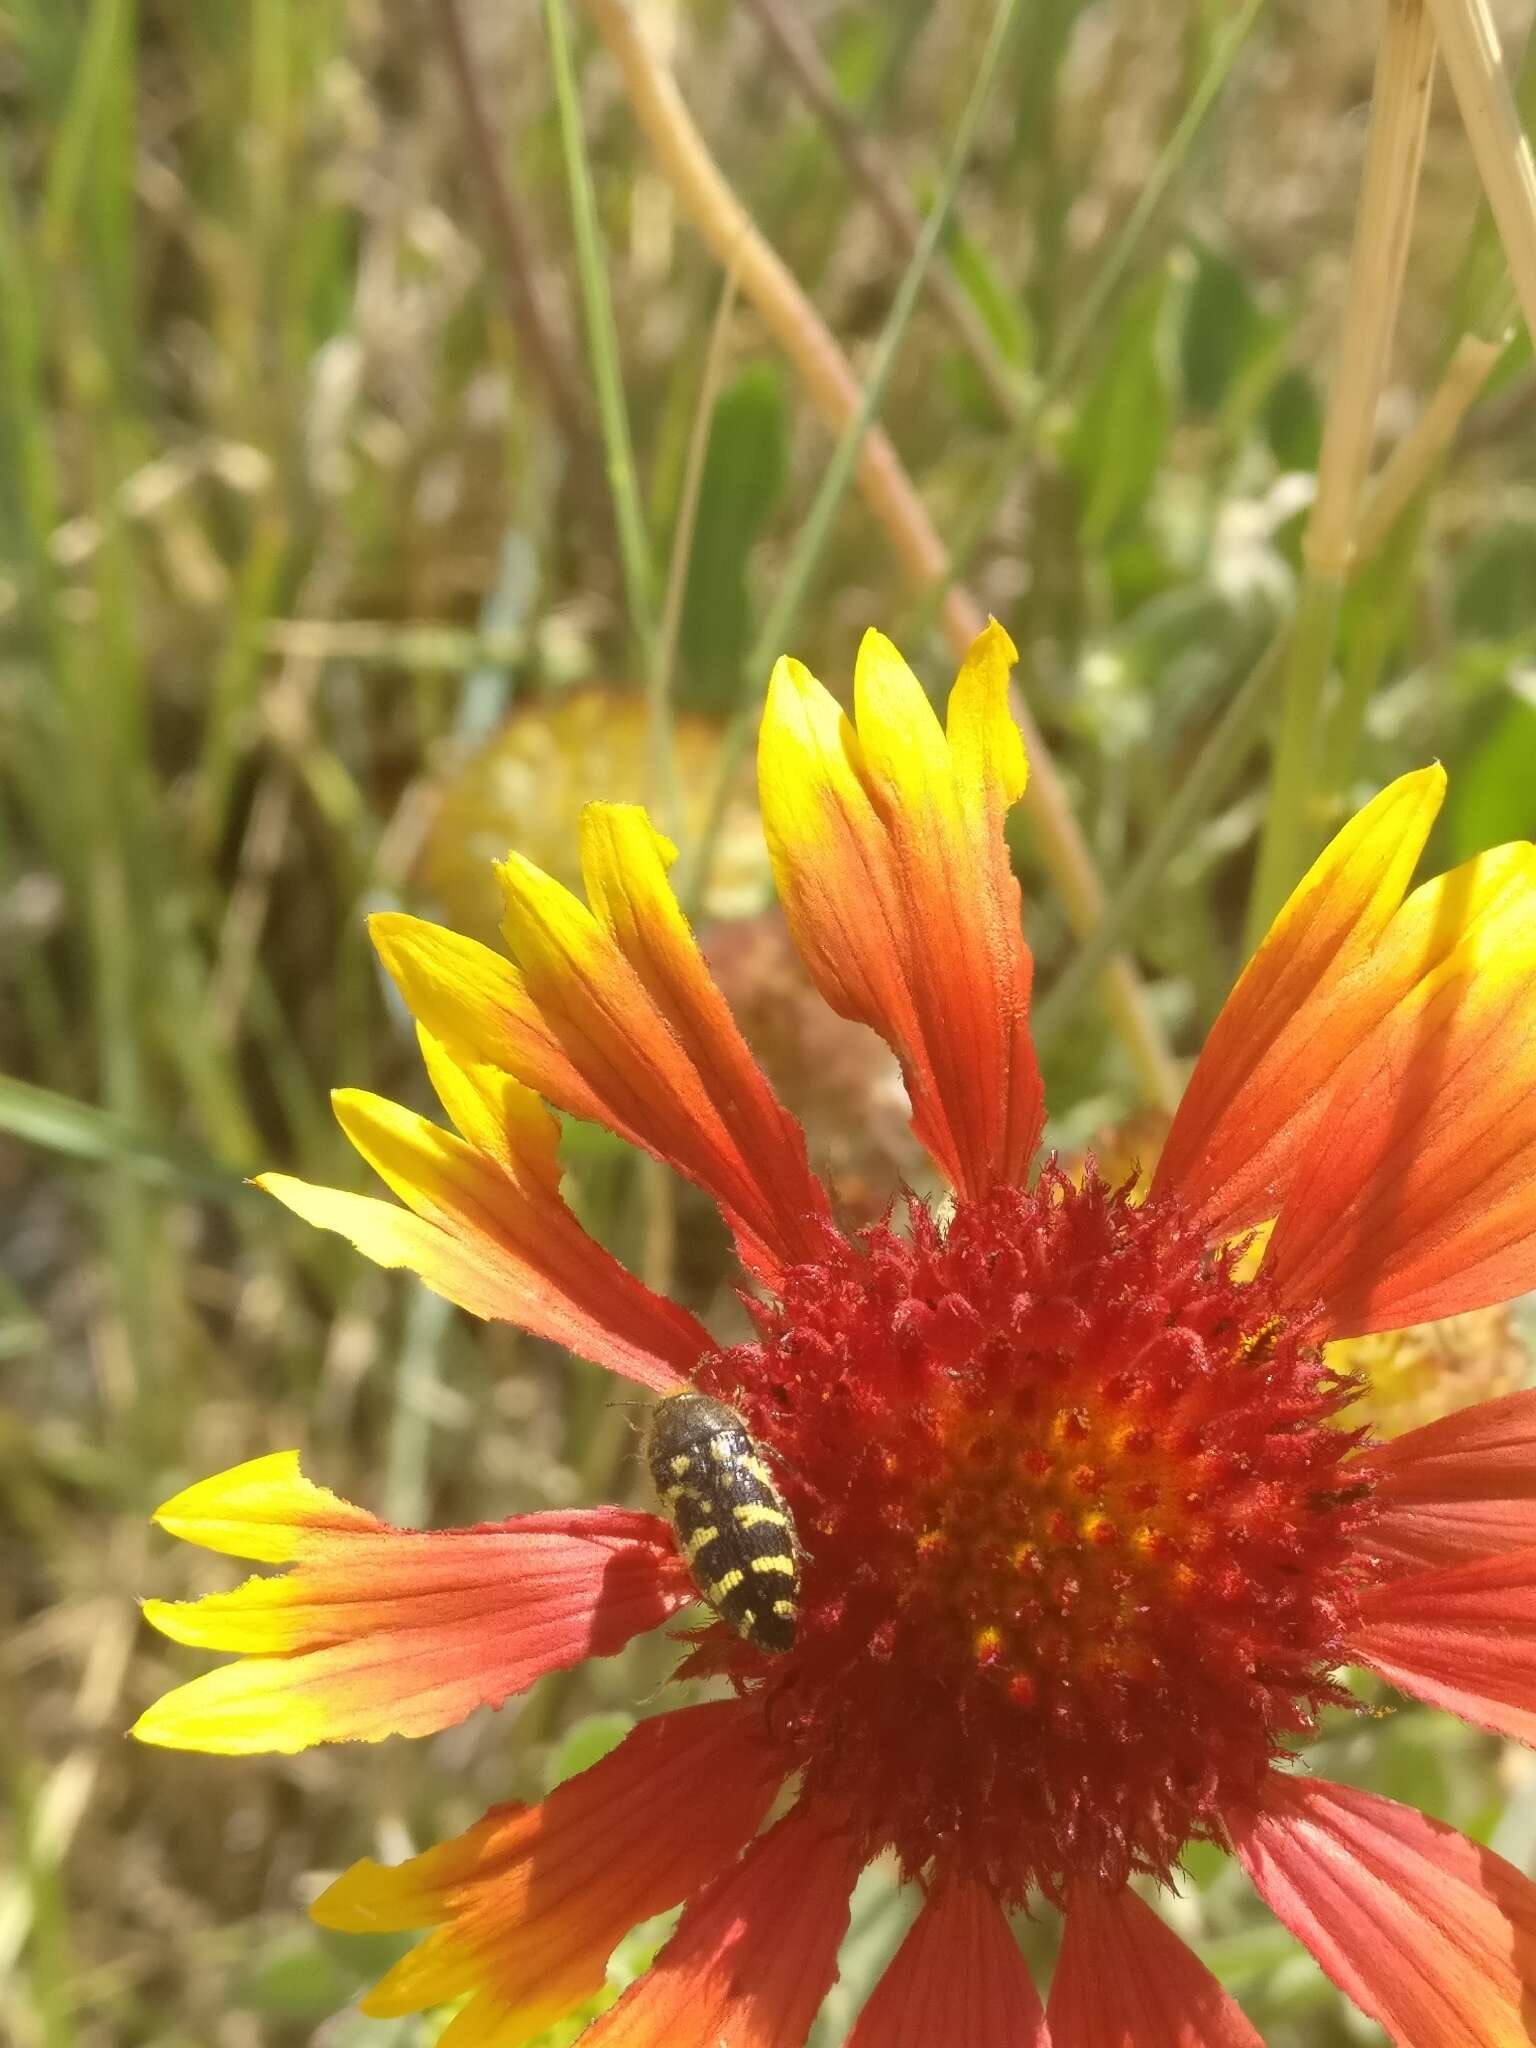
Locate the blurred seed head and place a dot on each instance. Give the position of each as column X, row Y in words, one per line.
column 526, row 785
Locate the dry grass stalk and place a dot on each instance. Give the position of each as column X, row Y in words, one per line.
column 766, row 281
column 1383, row 225
column 1499, row 144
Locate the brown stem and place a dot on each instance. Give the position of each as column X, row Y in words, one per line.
column 549, row 354
column 763, row 278
column 790, row 35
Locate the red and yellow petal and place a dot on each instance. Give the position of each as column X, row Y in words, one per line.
column 754, row 1954
column 622, row 984
column 886, row 835
column 528, row 1905
column 1422, row 1203
column 1431, row 1935
column 611, row 1015
column 1124, row 1979
column 487, row 1226
column 1463, row 1639
column 957, row 1981
column 1459, row 1488
column 376, row 1631
column 1344, row 951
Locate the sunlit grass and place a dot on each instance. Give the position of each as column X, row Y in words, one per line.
column 288, row 521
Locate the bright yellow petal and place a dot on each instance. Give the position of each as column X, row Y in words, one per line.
column 465, row 1274
column 263, row 1509
column 477, row 1004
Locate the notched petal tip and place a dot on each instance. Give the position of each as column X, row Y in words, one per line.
column 257, row 1510
column 625, row 822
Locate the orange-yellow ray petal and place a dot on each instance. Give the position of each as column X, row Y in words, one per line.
column 529, row 1903
column 488, row 1227
column 1430, row 1934
column 625, row 863
column 623, row 989
column 1422, row 1203
column 1319, row 977
column 754, row 1953
column 477, row 1003
column 888, row 850
column 375, row 1631
column 611, row 1016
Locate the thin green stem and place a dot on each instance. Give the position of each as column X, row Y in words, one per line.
column 603, row 342
column 663, row 791
column 1291, row 821
column 1197, row 790
column 1088, row 315
column 839, row 473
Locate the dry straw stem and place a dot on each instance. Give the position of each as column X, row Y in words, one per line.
column 1405, row 72
column 1408, row 468
column 1499, row 145
column 547, row 350
column 1378, row 259
column 764, row 279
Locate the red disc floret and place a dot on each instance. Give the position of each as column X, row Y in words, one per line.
column 1079, row 1535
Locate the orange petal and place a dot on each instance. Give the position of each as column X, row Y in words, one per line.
column 611, row 1015
column 529, row 1903
column 1459, row 1488
column 888, row 849
column 1422, row 1202
column 957, row 1981
column 490, row 1230
column 1343, row 950
column 1428, row 1933
column 753, row 1955
column 1463, row 1639
column 377, row 1631
column 1124, row 1979
column 624, row 864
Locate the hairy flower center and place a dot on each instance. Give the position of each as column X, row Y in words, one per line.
column 1079, row 1553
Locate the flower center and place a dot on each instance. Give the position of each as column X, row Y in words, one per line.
column 1079, row 1553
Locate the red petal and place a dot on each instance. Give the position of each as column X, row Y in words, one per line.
column 753, row 1956
column 1422, row 1202
column 1459, row 1488
column 529, row 1903
column 1125, row 1980
column 376, row 1631
column 1462, row 1639
column 1427, row 1932
column 957, row 1981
